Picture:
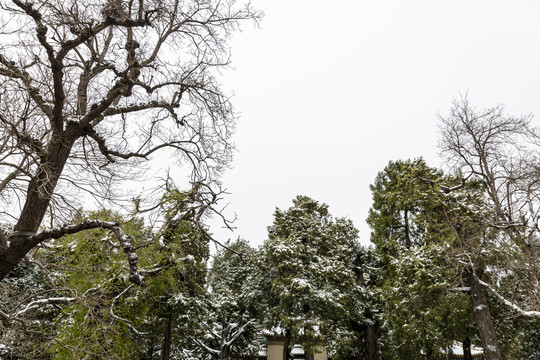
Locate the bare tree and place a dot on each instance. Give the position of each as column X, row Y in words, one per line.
column 91, row 90
column 502, row 152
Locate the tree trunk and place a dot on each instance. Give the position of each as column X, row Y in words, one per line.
column 38, row 198
column 483, row 320
column 371, row 340
column 286, row 343
column 467, row 355
column 407, row 230
column 150, row 352
column 225, row 353
column 166, row 344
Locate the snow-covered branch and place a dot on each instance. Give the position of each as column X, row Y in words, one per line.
column 124, row 239
column 5, row 316
column 445, row 189
column 206, row 348
column 50, row 301
column 505, row 226
column 238, row 333
column 34, row 305
column 118, row 318
column 511, row 305
column 230, row 333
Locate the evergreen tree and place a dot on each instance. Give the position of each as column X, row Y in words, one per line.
column 155, row 319
column 307, row 277
column 415, row 216
column 97, row 311
column 402, row 205
column 231, row 329
column 25, row 285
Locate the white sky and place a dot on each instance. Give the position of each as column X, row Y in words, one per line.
column 330, row 91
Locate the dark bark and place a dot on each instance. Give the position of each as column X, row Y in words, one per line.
column 166, row 344
column 467, row 355
column 38, row 198
column 370, row 328
column 483, row 320
column 150, row 352
column 63, row 96
column 286, row 344
column 43, row 184
column 407, row 230
column 371, row 340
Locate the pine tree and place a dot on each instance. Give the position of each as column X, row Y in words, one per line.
column 307, row 277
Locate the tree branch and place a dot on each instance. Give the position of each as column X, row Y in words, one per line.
column 56, row 65
column 50, row 301
column 445, row 189
column 12, row 71
column 209, row 350
column 124, row 239
column 509, row 304
column 118, row 318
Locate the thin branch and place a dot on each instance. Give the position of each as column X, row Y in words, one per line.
column 50, row 301
column 118, row 318
column 206, row 348
column 445, row 189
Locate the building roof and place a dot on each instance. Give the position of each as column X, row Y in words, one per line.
column 457, row 349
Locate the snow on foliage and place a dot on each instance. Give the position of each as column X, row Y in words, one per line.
column 310, row 283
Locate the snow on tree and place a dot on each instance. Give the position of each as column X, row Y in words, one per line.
column 232, row 329
column 91, row 304
column 502, row 152
column 424, row 224
column 307, row 280
column 92, row 90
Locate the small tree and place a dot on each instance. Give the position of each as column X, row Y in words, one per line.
column 231, row 330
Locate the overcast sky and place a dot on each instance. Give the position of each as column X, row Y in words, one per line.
column 330, row 91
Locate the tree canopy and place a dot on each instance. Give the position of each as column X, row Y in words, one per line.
column 93, row 90
column 310, row 287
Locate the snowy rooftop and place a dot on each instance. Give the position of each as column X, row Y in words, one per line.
column 457, row 349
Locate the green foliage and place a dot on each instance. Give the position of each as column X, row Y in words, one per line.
column 87, row 331
column 309, row 283
column 427, row 226
column 423, row 310
column 113, row 319
column 421, row 228
column 27, row 282
column 529, row 340
column 231, row 274
column 413, row 206
column 400, row 203
column 232, row 310
column 93, row 256
column 93, row 259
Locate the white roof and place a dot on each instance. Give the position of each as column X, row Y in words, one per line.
column 457, row 349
